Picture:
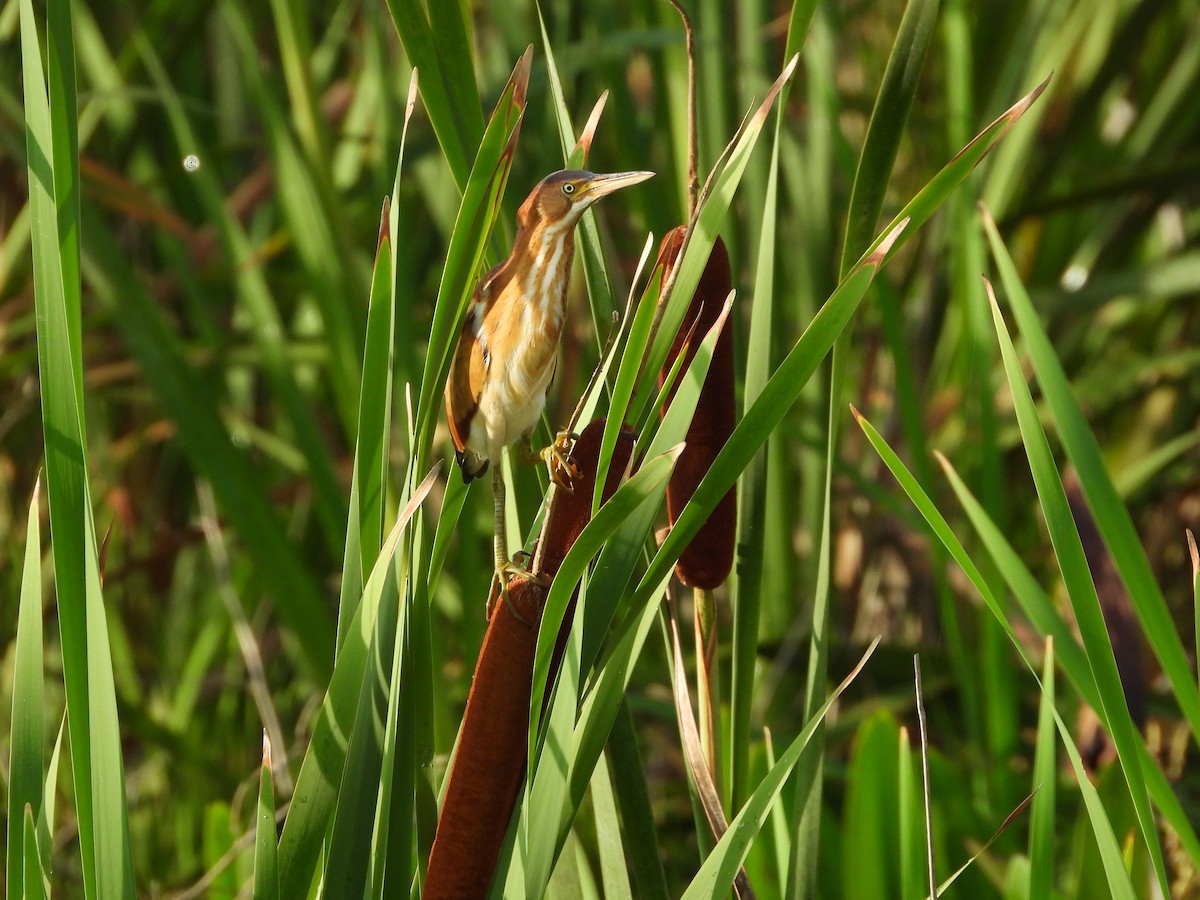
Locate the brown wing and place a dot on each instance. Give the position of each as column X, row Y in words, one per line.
column 465, row 385
column 468, row 372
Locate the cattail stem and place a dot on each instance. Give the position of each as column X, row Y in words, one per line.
column 708, row 691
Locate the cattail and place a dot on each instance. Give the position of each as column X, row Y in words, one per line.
column 490, row 763
column 489, row 766
column 707, row 560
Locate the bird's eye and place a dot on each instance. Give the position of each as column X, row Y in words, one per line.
column 568, row 188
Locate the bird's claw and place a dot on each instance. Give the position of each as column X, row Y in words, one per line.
column 517, row 567
column 563, row 471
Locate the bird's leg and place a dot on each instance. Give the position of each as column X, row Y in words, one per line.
column 505, row 566
column 557, row 457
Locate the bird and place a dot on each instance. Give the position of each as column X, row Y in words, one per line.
column 508, row 348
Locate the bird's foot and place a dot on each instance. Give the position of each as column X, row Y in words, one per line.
column 517, row 567
column 563, row 471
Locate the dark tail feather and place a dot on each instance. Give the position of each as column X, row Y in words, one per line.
column 472, row 464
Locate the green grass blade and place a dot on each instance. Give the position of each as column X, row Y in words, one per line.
column 52, row 160
column 1041, row 825
column 609, row 844
column 1040, row 609
column 50, row 790
column 918, row 210
column 25, row 782
column 752, row 495
column 348, row 867
column 300, row 601
column 371, row 462
column 314, row 221
column 941, row 528
column 715, row 201
column 625, row 549
column 629, row 370
column 316, row 796
column 448, row 89
column 886, row 126
column 871, row 864
column 1112, row 518
column 260, row 306
column 1119, row 885
column 757, row 423
column 1081, row 590
column 33, row 873
column 637, row 815
column 390, row 856
column 544, row 839
column 266, row 869
column 595, row 272
column 716, row 875
column 647, row 485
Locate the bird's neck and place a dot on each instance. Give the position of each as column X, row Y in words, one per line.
column 549, row 249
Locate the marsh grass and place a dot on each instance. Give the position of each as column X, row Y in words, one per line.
column 259, row 331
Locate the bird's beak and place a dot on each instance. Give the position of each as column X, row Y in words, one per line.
column 599, row 185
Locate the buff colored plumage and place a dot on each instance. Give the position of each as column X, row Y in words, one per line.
column 508, row 349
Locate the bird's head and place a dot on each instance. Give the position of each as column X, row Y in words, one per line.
column 563, row 196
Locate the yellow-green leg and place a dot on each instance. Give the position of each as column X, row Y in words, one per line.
column 505, row 567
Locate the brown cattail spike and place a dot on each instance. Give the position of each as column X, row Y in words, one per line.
column 708, row 559
column 489, row 765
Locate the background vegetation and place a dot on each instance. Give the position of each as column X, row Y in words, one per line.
column 186, row 358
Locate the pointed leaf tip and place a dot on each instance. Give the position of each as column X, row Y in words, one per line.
column 986, row 214
column 880, row 253
column 991, row 293
column 584, row 144
column 412, row 94
column 266, row 750
column 761, row 113
column 1194, row 552
column 857, row 415
column 384, row 227
column 520, row 75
